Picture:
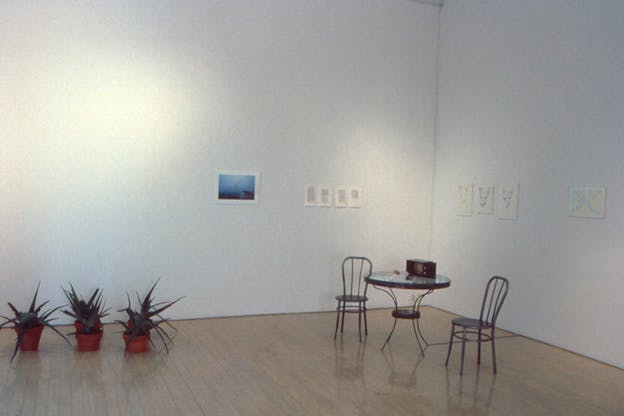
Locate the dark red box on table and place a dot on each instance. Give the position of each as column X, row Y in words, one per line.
column 423, row 268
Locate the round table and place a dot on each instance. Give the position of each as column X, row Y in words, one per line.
column 387, row 281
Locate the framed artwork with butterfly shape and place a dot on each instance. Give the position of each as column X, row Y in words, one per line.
column 587, row 202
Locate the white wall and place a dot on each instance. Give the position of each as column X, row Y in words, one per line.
column 532, row 92
column 114, row 116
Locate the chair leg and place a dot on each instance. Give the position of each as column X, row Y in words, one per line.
column 360, row 322
column 493, row 351
column 344, row 306
column 365, row 322
column 479, row 347
column 337, row 319
column 461, row 371
column 450, row 345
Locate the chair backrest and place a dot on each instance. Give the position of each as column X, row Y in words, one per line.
column 354, row 271
column 495, row 294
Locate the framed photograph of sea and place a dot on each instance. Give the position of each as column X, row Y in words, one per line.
column 236, row 187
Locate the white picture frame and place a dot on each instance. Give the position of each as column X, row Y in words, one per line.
column 341, row 195
column 507, row 204
column 238, row 187
column 464, row 199
column 355, row 197
column 310, row 196
column 587, row 202
column 485, row 199
column 324, row 196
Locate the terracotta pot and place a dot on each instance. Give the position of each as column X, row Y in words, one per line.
column 88, row 341
column 139, row 344
column 32, row 336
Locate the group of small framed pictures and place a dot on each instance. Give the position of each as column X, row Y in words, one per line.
column 339, row 196
column 583, row 201
column 241, row 187
column 506, row 196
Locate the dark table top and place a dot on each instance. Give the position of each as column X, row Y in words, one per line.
column 405, row 281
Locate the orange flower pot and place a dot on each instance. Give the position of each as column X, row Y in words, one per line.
column 32, row 336
column 139, row 344
column 88, row 341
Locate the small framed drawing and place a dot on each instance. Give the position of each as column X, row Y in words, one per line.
column 355, row 197
column 341, row 193
column 236, row 186
column 325, row 197
column 507, row 207
column 464, row 199
column 486, row 199
column 587, row 202
column 310, row 196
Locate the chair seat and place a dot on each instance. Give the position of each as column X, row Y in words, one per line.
column 471, row 323
column 351, row 298
column 405, row 314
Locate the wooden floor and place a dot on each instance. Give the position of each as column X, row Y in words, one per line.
column 290, row 365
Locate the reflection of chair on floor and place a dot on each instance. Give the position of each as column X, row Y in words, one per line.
column 350, row 363
column 475, row 395
column 353, row 298
column 493, row 299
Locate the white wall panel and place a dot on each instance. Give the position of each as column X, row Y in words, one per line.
column 114, row 116
column 532, row 93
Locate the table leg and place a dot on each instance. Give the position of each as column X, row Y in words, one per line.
column 390, row 293
column 417, row 307
column 415, row 325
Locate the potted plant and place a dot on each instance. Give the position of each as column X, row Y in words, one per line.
column 87, row 316
column 29, row 324
column 143, row 320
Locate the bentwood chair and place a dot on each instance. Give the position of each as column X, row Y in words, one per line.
column 469, row 329
column 353, row 299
